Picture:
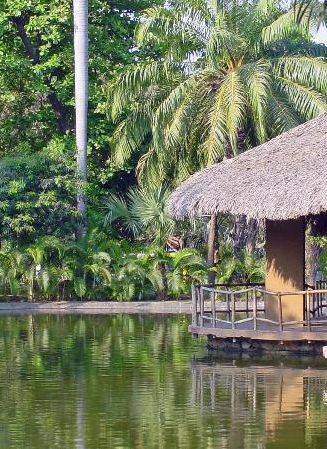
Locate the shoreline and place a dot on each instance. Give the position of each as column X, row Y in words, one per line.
column 175, row 307
column 96, row 307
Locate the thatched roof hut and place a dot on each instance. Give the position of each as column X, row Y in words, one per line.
column 282, row 181
column 284, row 178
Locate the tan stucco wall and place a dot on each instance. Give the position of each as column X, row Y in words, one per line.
column 285, row 252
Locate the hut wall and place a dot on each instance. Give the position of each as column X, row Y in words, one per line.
column 285, row 252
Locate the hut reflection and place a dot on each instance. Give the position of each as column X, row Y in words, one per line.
column 266, row 403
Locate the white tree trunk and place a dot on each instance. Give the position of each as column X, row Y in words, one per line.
column 81, row 98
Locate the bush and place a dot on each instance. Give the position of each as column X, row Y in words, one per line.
column 96, row 268
column 37, row 195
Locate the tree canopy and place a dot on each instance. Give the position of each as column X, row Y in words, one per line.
column 231, row 76
column 37, row 72
column 174, row 86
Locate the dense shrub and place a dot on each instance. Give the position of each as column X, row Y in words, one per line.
column 96, row 268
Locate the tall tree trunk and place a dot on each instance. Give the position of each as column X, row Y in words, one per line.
column 81, row 101
column 162, row 294
column 245, row 232
column 252, row 234
column 239, row 235
column 212, row 245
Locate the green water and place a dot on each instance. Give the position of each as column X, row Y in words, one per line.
column 90, row 382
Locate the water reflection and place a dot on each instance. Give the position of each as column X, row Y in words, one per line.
column 142, row 382
column 265, row 406
column 80, row 414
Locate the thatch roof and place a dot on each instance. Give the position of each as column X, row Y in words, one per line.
column 281, row 179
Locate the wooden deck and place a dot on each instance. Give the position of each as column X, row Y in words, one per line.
column 263, row 332
column 240, row 314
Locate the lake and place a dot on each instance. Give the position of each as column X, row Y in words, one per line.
column 136, row 381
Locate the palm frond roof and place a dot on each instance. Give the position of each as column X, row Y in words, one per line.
column 284, row 178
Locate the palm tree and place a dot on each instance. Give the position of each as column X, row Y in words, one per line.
column 311, row 8
column 231, row 76
column 142, row 212
column 81, row 99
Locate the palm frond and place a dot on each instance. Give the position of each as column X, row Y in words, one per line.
column 257, row 78
column 265, row 8
column 150, row 170
column 215, row 135
column 304, row 70
column 136, row 80
column 283, row 27
column 149, row 205
column 116, row 209
column 311, row 8
column 232, row 92
column 223, row 40
column 128, row 137
column 185, row 24
column 281, row 114
column 176, row 131
column 166, row 109
column 306, row 100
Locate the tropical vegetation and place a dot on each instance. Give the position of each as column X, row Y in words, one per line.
column 173, row 87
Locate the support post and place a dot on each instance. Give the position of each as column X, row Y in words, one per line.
column 213, row 308
column 212, row 241
column 308, row 317
column 247, row 304
column 285, row 252
column 201, row 306
column 280, row 312
column 233, row 310
column 254, row 305
column 228, row 305
column 194, row 305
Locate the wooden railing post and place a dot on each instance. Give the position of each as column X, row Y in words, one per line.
column 247, row 304
column 201, row 306
column 280, row 312
column 233, row 309
column 307, row 295
column 213, row 308
column 254, row 305
column 228, row 305
column 194, row 305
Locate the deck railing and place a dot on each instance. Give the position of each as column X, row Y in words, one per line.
column 319, row 301
column 225, row 306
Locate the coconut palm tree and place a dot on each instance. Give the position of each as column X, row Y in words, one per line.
column 81, row 99
column 231, row 76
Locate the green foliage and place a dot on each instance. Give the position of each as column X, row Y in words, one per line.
column 246, row 268
column 231, row 76
column 96, row 268
column 321, row 242
column 37, row 72
column 202, row 81
column 37, row 195
column 142, row 213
